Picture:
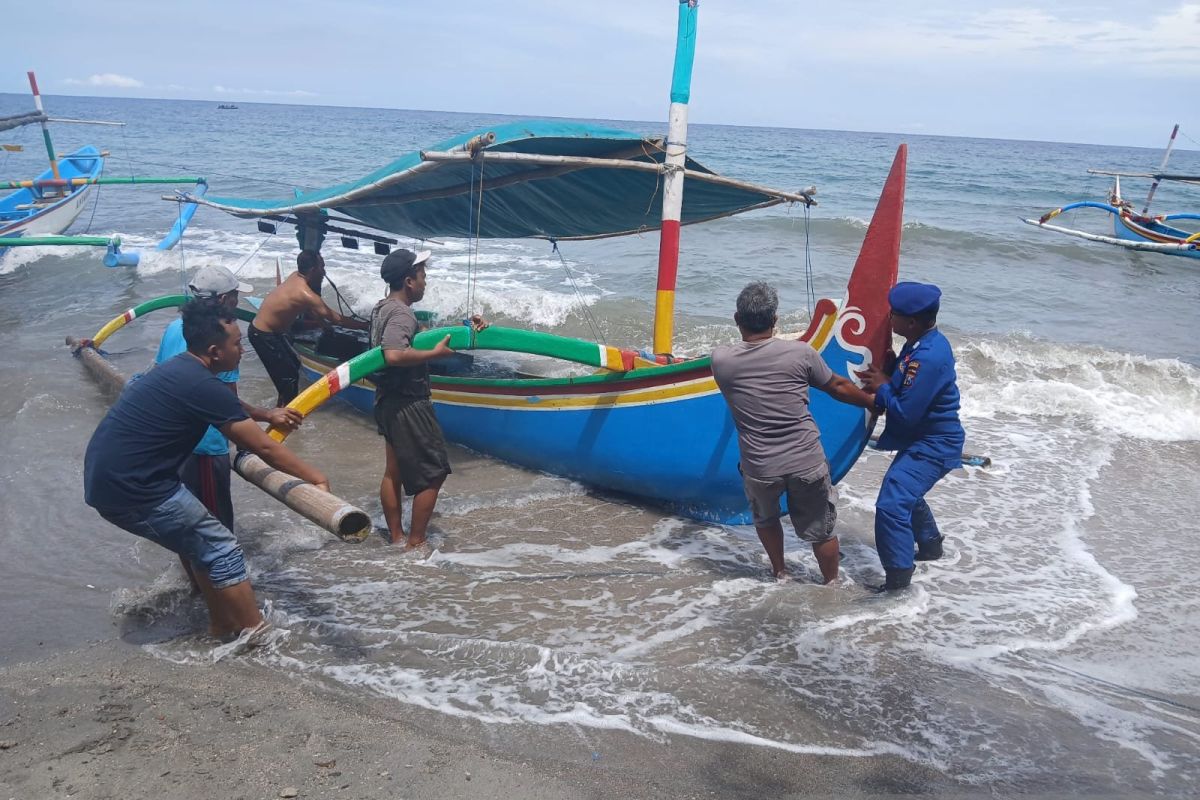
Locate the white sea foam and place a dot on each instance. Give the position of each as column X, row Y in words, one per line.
column 1119, row 393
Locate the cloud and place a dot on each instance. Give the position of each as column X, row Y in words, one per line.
column 107, row 79
column 264, row 92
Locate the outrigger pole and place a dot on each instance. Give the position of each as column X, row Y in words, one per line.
column 37, row 102
column 1166, row 156
column 64, row 182
column 676, row 156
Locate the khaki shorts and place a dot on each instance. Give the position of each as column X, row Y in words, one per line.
column 810, row 503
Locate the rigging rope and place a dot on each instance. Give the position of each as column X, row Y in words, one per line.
column 95, row 201
column 340, row 300
column 587, row 311
column 475, row 220
column 246, row 260
column 810, row 289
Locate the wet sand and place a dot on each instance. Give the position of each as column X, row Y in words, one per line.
column 111, row 721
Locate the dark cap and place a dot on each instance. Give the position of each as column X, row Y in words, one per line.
column 910, row 299
column 401, row 264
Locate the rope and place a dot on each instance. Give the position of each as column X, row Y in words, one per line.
column 474, row 220
column 340, row 300
column 182, row 236
column 1190, row 139
column 95, row 201
column 810, row 289
column 246, row 260
column 587, row 311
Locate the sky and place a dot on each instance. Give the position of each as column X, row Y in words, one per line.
column 1097, row 72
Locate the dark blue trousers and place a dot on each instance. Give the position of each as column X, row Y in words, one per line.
column 902, row 517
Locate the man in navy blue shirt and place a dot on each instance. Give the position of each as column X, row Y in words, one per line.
column 920, row 399
column 131, row 468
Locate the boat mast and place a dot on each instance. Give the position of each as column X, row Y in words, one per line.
column 1162, row 167
column 676, row 153
column 37, row 102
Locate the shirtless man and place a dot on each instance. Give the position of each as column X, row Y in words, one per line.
column 286, row 302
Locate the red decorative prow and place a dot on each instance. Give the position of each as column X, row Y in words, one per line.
column 878, row 265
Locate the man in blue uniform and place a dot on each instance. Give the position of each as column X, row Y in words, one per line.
column 920, row 399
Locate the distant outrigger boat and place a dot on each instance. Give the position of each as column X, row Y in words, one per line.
column 645, row 424
column 1133, row 230
column 42, row 209
column 227, row 107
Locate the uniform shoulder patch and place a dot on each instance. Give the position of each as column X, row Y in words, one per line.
column 910, row 372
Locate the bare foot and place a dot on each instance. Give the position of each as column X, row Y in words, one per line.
column 399, row 538
column 413, row 544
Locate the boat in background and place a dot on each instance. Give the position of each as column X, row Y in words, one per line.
column 44, row 208
column 1134, row 230
column 52, row 202
column 641, row 422
column 227, row 107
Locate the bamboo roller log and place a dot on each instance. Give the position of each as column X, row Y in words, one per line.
column 348, row 523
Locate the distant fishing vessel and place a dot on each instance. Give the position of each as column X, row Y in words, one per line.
column 227, row 107
column 43, row 208
column 1134, row 230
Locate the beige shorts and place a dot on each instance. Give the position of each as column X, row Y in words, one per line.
column 810, row 503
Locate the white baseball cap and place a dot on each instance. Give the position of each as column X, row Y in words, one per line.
column 216, row 280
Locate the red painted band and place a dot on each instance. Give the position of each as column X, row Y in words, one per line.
column 668, row 255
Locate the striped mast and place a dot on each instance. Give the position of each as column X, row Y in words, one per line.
column 676, row 153
column 1163, row 166
column 37, row 102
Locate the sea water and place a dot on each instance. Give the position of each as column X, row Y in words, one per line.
column 1056, row 645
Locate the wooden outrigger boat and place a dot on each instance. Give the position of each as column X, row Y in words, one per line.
column 1133, row 230
column 641, row 423
column 40, row 210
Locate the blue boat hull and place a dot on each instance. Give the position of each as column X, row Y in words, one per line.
column 23, row 213
column 671, row 441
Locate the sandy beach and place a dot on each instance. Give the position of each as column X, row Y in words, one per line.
column 110, row 721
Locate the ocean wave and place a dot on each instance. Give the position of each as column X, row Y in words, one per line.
column 1121, row 393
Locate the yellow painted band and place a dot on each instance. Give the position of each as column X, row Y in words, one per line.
column 822, row 335
column 664, row 320
column 552, row 402
column 108, row 330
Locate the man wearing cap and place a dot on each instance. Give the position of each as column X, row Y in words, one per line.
column 417, row 463
column 206, row 472
column 271, row 326
column 765, row 381
column 920, row 399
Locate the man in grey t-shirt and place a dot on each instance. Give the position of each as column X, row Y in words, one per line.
column 765, row 381
column 416, row 459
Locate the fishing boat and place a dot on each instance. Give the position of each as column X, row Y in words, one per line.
column 643, row 423
column 50, row 204
column 41, row 209
column 1133, row 230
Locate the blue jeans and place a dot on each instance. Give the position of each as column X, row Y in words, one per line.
column 183, row 525
column 902, row 517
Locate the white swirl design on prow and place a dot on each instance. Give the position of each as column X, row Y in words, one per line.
column 852, row 321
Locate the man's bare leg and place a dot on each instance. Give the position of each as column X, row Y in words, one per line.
column 219, row 623
column 391, row 497
column 423, row 503
column 771, row 536
column 236, row 607
column 828, row 558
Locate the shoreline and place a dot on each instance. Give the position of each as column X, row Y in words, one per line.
column 111, row 721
